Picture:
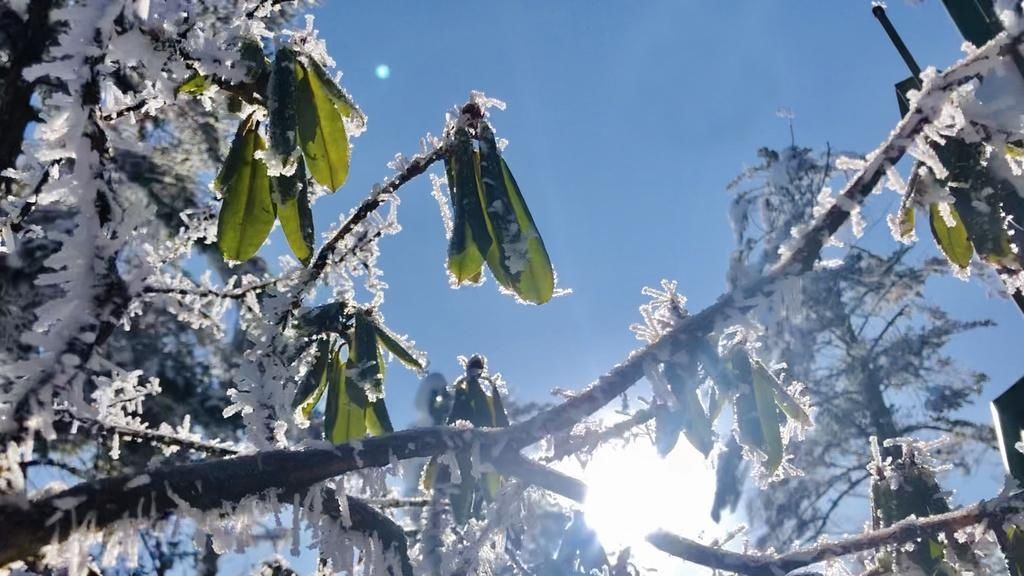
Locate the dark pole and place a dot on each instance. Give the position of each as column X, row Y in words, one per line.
column 908, row 58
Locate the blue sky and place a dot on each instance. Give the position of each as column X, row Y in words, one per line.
column 625, row 122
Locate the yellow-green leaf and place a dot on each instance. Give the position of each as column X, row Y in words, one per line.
column 350, row 413
column 365, row 367
column 952, row 240
column 429, row 476
column 1013, row 549
column 236, row 155
column 498, row 415
column 519, row 253
column 767, row 413
column 195, row 84
column 906, row 218
column 341, row 100
column 345, row 420
column 294, row 213
column 247, row 214
column 391, row 343
column 471, row 238
column 789, row 405
column 321, row 129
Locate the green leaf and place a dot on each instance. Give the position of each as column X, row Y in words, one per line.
column 429, row 477
column 237, row 155
column 952, row 240
column 1013, row 549
column 195, row 84
column 281, row 103
column 519, row 253
column 343, row 103
column 346, row 417
column 790, row 407
column 724, row 389
column 983, row 221
column 499, row 419
column 363, row 360
column 498, row 414
column 247, row 214
column 906, row 217
column 321, row 129
column 471, row 403
column 350, row 412
column 467, row 496
column 748, row 423
column 315, row 382
column 694, row 421
column 392, row 344
column 764, row 396
column 365, row 368
column 471, row 238
column 294, row 213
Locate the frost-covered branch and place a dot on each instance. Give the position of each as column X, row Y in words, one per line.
column 208, row 486
column 800, row 255
column 592, row 439
column 230, row 294
column 155, row 437
column 379, row 195
column 397, row 502
column 991, row 512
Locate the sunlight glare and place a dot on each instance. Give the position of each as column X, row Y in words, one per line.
column 632, row 491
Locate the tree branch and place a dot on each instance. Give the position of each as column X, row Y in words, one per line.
column 208, row 485
column 993, row 510
column 801, row 257
column 378, row 196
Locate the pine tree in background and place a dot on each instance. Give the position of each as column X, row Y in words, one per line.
column 863, row 338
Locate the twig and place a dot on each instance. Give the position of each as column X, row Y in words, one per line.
column 398, row 502
column 231, row 294
column 589, row 441
column 155, row 436
column 379, row 195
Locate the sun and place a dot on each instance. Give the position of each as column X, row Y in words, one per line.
column 632, row 491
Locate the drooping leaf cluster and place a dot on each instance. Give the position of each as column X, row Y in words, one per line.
column 306, row 113
column 355, row 387
column 477, row 401
column 492, row 223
